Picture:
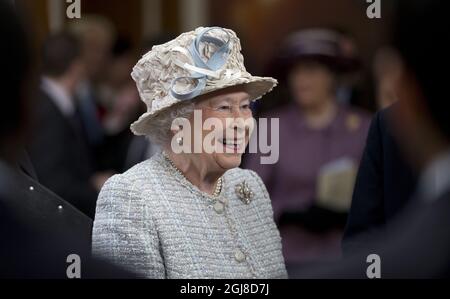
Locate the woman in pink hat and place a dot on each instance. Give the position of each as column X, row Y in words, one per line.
column 321, row 143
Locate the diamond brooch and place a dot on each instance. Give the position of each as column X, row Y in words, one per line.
column 244, row 193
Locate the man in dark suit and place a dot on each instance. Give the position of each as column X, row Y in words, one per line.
column 59, row 149
column 384, row 185
column 38, row 229
column 417, row 244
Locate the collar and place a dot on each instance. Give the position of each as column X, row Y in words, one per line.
column 299, row 120
column 60, row 96
column 435, row 179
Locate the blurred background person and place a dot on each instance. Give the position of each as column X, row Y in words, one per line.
column 385, row 181
column 382, row 69
column 321, row 143
column 141, row 148
column 38, row 230
column 417, row 243
column 121, row 105
column 96, row 35
column 384, row 184
column 59, row 149
column 348, row 89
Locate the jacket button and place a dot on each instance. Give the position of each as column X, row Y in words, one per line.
column 239, row 256
column 223, row 200
column 218, row 207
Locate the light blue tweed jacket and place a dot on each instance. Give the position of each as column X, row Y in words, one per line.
column 152, row 221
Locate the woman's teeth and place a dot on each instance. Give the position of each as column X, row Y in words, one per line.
column 232, row 144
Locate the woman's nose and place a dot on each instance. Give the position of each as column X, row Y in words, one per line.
column 237, row 113
column 239, row 124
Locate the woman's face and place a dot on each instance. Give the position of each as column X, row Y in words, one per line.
column 227, row 125
column 311, row 83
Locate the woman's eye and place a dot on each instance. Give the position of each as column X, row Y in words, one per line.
column 245, row 106
column 224, row 108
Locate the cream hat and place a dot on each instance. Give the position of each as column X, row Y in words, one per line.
column 195, row 63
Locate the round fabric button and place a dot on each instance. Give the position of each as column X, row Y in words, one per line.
column 219, row 207
column 239, row 255
column 223, row 200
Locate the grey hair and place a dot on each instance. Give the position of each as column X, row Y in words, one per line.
column 160, row 130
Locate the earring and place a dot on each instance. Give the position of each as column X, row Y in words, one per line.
column 180, row 141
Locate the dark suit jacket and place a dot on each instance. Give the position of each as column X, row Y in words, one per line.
column 383, row 187
column 60, row 155
column 38, row 230
column 417, row 245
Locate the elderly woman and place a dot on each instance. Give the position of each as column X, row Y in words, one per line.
column 190, row 213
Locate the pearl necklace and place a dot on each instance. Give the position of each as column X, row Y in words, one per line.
column 219, row 183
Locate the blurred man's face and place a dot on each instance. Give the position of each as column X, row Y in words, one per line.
column 311, row 84
column 383, row 68
column 119, row 70
column 97, row 52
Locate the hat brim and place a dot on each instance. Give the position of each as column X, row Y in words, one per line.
column 255, row 86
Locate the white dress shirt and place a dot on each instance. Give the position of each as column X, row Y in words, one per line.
column 59, row 95
column 435, row 180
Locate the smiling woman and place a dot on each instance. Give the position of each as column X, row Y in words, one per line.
column 192, row 214
column 220, row 124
